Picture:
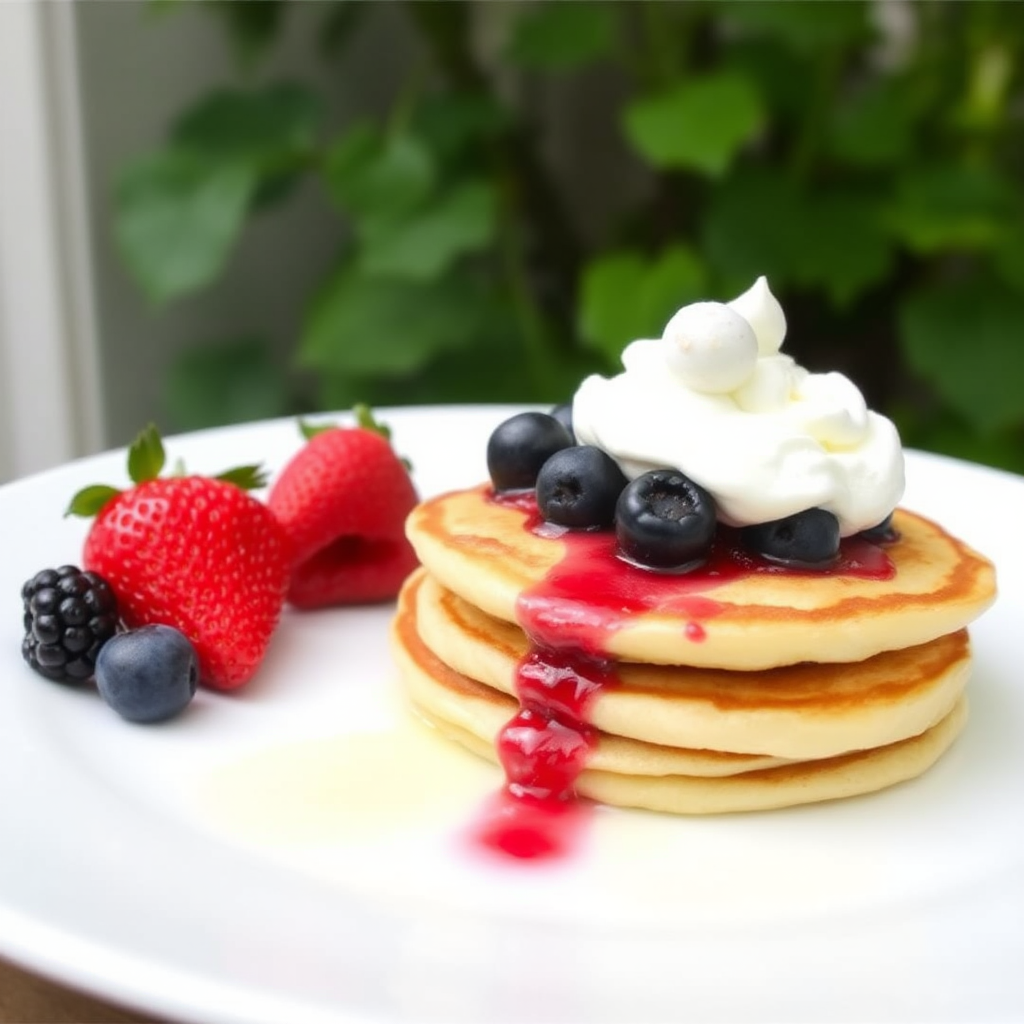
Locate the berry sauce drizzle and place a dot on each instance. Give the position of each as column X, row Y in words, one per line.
column 568, row 618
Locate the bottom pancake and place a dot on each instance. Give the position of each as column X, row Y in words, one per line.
column 804, row 782
column 631, row 773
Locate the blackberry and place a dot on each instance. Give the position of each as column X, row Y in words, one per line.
column 69, row 616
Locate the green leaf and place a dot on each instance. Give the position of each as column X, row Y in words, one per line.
column 425, row 244
column 1008, row 255
column 340, row 23
column 310, row 430
column 875, row 126
column 562, row 34
column 264, row 127
column 625, row 296
column 218, row 383
column 454, row 123
column 365, row 419
column 759, row 222
column 146, row 455
column 949, row 206
column 608, row 316
column 967, row 340
column 273, row 130
column 749, row 229
column 493, row 370
column 177, row 217
column 700, row 124
column 252, row 26
column 843, row 247
column 373, row 325
column 779, row 75
column 803, row 26
column 89, row 501
column 248, row 478
column 370, row 175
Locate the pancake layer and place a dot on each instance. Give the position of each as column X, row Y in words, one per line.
column 794, row 712
column 735, row 687
column 631, row 773
column 488, row 553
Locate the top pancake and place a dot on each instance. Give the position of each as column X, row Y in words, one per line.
column 485, row 552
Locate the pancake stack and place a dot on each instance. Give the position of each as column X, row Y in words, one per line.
column 738, row 687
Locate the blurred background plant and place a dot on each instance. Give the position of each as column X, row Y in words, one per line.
column 865, row 156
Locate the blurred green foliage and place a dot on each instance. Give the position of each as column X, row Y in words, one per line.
column 873, row 176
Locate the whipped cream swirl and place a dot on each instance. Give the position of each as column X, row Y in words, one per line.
column 716, row 399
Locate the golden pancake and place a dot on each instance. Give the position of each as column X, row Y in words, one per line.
column 804, row 782
column 441, row 694
column 793, row 712
column 485, row 551
column 632, row 774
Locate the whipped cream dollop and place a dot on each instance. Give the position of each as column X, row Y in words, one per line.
column 715, row 398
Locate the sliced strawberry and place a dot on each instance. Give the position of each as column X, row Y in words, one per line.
column 352, row 570
column 342, row 501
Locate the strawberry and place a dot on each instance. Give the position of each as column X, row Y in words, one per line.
column 343, row 500
column 196, row 553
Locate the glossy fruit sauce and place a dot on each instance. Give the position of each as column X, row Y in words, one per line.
column 568, row 618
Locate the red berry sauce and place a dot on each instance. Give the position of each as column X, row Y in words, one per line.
column 568, row 618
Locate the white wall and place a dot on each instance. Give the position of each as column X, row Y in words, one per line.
column 137, row 72
column 84, row 88
column 50, row 401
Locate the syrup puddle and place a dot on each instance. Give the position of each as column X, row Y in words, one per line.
column 359, row 787
column 403, row 817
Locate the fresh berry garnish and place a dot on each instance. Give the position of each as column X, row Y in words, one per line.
column 69, row 616
column 563, row 413
column 804, row 540
column 148, row 674
column 883, row 533
column 663, row 520
column 196, row 553
column 578, row 487
column 518, row 447
column 342, row 501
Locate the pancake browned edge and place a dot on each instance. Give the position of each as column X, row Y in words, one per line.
column 794, row 712
column 628, row 773
column 483, row 551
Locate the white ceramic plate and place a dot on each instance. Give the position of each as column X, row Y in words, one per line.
column 296, row 852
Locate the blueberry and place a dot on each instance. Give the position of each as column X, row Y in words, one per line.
column 883, row 533
column 147, row 674
column 804, row 540
column 522, row 444
column 578, row 487
column 563, row 413
column 664, row 520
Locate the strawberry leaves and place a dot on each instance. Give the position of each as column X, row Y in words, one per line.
column 90, row 500
column 248, row 478
column 146, row 461
column 364, row 419
column 146, row 456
